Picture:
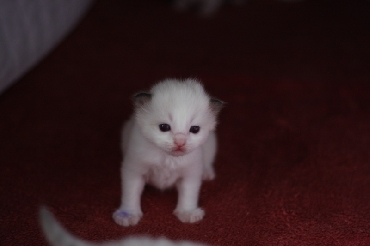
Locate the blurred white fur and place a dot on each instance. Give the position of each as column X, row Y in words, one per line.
column 56, row 235
column 177, row 157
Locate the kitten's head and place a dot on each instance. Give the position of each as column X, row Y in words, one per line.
column 176, row 116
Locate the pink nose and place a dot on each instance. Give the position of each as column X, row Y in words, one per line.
column 179, row 139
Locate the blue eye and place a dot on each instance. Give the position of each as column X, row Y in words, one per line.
column 194, row 129
column 164, row 127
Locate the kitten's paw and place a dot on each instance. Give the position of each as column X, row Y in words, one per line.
column 208, row 174
column 191, row 216
column 123, row 218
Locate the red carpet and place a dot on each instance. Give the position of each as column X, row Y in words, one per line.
column 293, row 167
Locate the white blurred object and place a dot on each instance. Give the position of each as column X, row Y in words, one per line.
column 29, row 29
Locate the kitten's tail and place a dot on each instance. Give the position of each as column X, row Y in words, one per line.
column 56, row 235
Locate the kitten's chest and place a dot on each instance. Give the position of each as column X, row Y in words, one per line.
column 166, row 172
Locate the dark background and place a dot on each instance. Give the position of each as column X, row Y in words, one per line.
column 293, row 166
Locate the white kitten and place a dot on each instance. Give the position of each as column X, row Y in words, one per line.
column 170, row 141
column 58, row 236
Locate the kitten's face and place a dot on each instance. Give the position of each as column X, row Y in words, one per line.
column 177, row 117
column 177, row 131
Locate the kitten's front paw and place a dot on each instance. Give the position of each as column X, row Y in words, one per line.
column 123, row 218
column 191, row 216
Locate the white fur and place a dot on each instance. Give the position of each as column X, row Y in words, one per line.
column 58, row 236
column 150, row 155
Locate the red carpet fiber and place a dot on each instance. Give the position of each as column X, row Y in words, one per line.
column 293, row 166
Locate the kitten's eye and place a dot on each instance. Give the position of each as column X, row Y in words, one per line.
column 164, row 127
column 194, row 129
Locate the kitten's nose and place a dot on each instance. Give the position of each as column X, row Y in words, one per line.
column 179, row 139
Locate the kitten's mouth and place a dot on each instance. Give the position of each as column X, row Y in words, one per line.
column 178, row 151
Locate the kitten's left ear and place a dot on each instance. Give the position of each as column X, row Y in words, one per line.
column 216, row 105
column 141, row 98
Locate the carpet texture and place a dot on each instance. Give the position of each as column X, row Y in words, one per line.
column 293, row 166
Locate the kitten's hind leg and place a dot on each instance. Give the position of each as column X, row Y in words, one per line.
column 209, row 152
column 208, row 173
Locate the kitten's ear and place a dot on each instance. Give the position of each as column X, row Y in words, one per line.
column 141, row 98
column 216, row 105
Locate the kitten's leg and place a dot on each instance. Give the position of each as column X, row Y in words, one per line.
column 208, row 172
column 209, row 152
column 129, row 213
column 187, row 209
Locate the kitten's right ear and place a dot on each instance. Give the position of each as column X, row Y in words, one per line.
column 141, row 98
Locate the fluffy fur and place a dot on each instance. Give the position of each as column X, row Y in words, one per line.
column 56, row 235
column 170, row 141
